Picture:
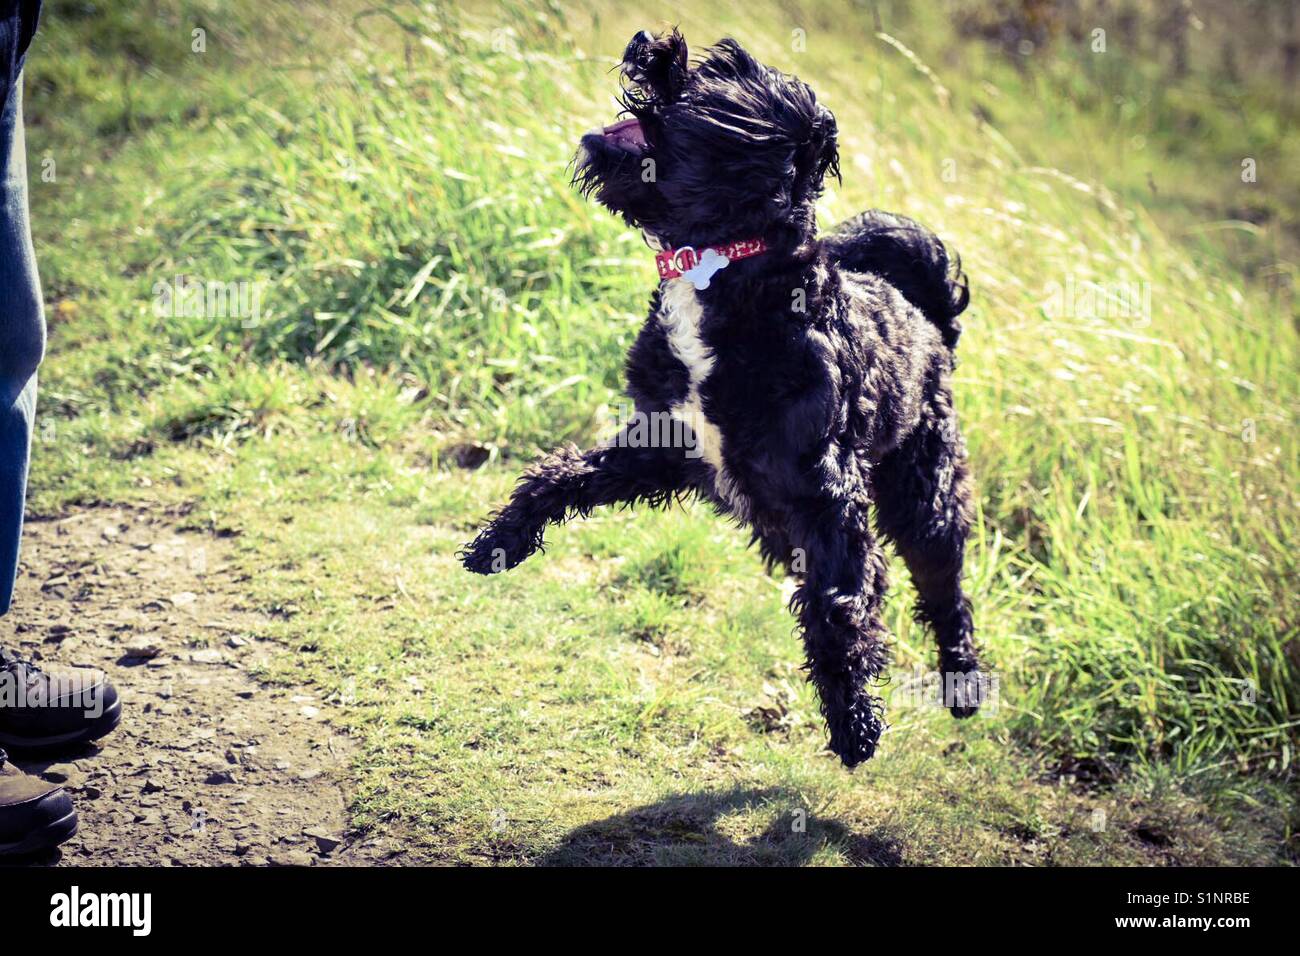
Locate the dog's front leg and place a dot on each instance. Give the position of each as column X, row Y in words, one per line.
column 838, row 605
column 569, row 483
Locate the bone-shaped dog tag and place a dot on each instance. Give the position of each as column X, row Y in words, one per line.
column 702, row 272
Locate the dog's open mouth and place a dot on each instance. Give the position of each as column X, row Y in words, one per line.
column 627, row 134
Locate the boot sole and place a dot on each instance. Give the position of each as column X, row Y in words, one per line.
column 46, row 838
column 102, row 725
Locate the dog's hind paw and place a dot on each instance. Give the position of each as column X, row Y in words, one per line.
column 961, row 712
column 855, row 740
column 965, row 686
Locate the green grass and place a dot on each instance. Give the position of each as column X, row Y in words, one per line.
column 395, row 184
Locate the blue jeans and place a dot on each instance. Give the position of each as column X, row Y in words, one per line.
column 22, row 338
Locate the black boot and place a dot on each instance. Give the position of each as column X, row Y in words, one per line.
column 34, row 815
column 42, row 709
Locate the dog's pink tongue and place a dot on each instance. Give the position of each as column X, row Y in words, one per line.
column 628, row 131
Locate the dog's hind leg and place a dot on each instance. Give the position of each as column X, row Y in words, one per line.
column 569, row 483
column 838, row 605
column 922, row 495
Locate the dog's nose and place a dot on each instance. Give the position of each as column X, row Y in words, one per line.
column 636, row 44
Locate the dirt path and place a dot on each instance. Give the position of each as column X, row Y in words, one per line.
column 208, row 766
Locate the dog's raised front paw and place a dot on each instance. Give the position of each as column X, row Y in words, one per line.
column 484, row 556
column 494, row 551
column 482, row 560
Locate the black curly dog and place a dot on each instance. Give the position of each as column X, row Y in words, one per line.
column 813, row 373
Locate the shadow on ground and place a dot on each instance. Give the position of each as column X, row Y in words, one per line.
column 692, row 829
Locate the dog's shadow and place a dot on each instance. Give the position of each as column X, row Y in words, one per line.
column 684, row 830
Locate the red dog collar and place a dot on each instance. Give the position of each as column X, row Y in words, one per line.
column 698, row 265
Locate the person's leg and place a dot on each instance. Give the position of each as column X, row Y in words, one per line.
column 39, row 707
column 22, row 338
column 34, row 815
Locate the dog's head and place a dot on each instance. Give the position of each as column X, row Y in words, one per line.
column 720, row 150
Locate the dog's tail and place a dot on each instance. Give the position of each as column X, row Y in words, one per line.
column 911, row 259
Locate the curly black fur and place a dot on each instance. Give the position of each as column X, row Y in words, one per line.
column 815, row 376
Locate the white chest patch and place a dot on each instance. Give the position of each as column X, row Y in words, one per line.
column 680, row 314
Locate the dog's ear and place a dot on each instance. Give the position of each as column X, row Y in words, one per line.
column 819, row 154
column 659, row 62
column 735, row 59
